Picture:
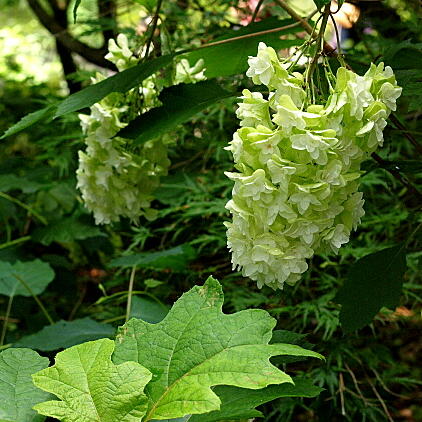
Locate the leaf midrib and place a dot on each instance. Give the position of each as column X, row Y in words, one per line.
column 169, row 388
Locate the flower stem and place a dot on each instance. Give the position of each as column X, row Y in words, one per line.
column 130, row 293
column 6, row 320
column 319, row 44
column 39, row 303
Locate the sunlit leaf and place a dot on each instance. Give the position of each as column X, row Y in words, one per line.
column 197, row 347
column 91, row 388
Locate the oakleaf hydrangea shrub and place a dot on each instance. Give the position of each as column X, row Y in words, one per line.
column 298, row 165
column 115, row 179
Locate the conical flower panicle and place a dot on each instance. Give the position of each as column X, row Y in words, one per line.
column 296, row 190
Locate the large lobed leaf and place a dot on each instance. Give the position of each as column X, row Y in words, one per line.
column 17, row 392
column 91, row 388
column 197, row 347
column 35, row 274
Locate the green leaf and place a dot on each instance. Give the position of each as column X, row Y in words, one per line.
column 75, row 9
column 240, row 403
column 176, row 258
column 373, row 281
column 148, row 4
column 36, row 274
column 65, row 231
column 30, row 119
column 91, row 388
column 10, row 182
column 18, row 393
column 321, row 3
column 289, row 337
column 197, row 347
column 180, row 103
column 406, row 60
column 64, row 334
column 235, row 60
column 120, row 82
column 232, row 58
column 148, row 310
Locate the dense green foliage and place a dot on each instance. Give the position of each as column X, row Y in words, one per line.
column 67, row 283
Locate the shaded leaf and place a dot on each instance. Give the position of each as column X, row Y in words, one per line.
column 373, row 281
column 236, row 53
column 321, row 3
column 180, row 103
column 30, row 119
column 36, row 274
column 12, row 182
column 17, row 392
column 148, row 4
column 91, row 388
column 196, row 347
column 66, row 230
column 289, row 337
column 240, row 403
column 64, row 334
column 148, row 310
column 176, row 258
column 120, row 82
column 406, row 60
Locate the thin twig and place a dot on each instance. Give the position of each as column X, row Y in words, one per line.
column 378, row 377
column 27, row 207
column 341, row 390
column 396, row 174
column 153, row 27
column 328, row 49
column 406, row 133
column 387, row 413
column 15, row 242
column 255, row 12
column 6, row 320
column 241, row 37
column 355, row 381
column 319, row 44
column 36, row 298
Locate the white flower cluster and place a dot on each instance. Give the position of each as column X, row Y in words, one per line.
column 117, row 181
column 296, row 189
